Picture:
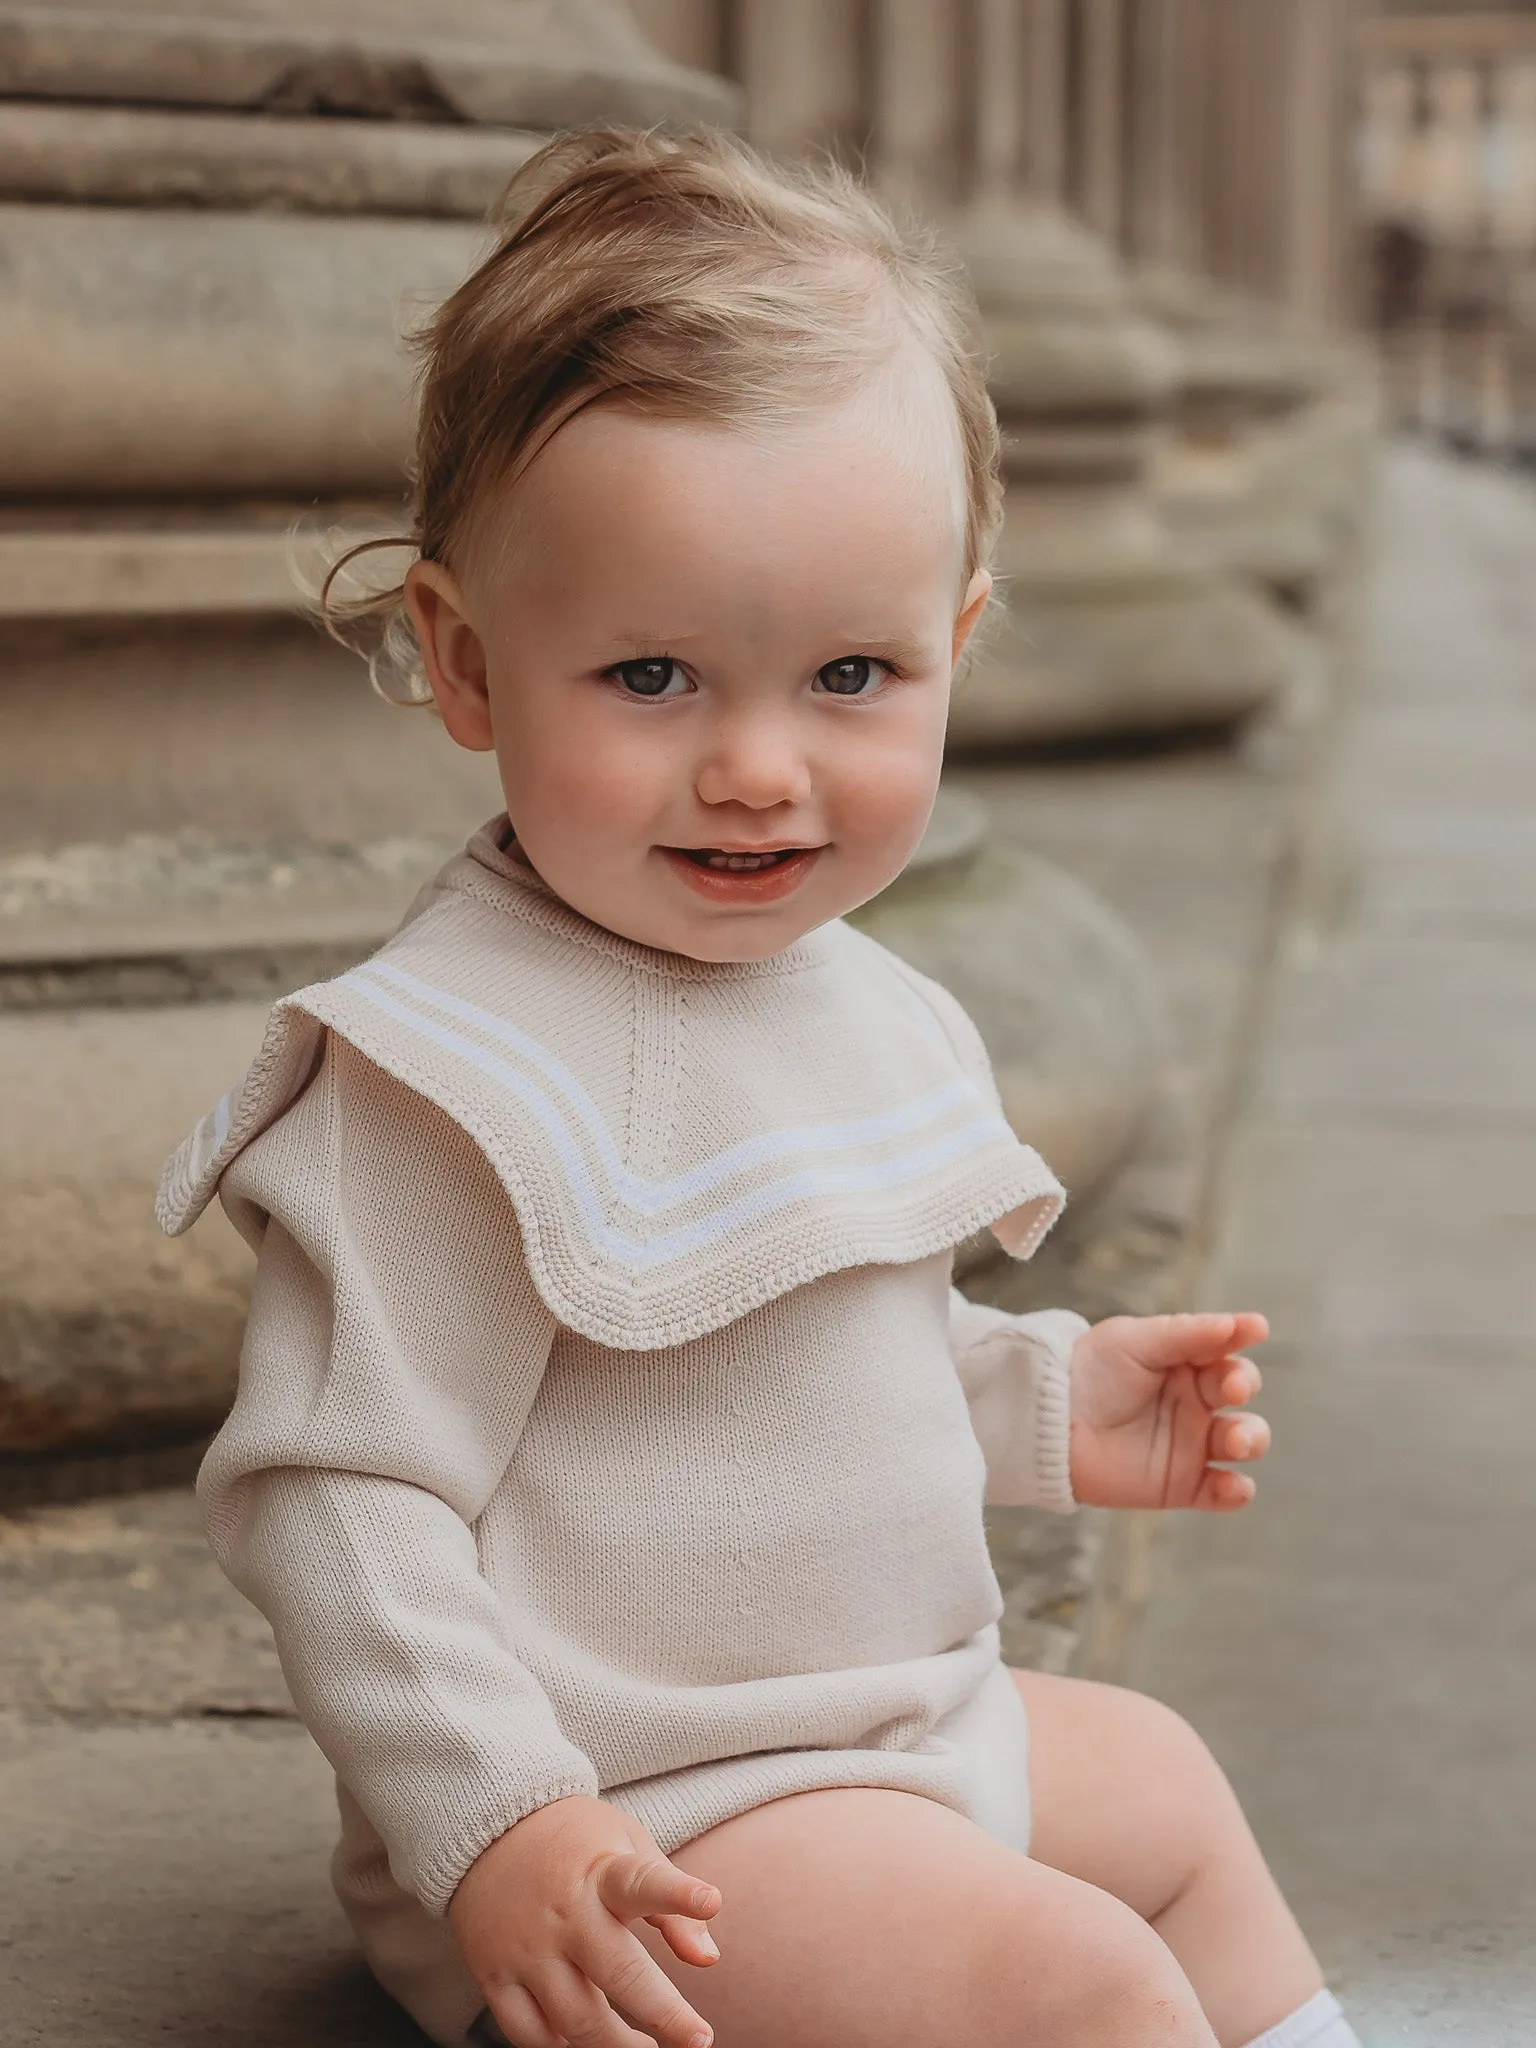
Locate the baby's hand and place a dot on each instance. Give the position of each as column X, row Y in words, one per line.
column 543, row 1919
column 1147, row 1426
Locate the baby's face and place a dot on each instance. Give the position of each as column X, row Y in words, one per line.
column 714, row 664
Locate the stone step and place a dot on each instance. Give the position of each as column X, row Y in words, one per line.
column 549, row 65
column 249, row 731
column 111, row 1335
column 104, row 571
column 162, row 918
column 157, row 156
column 195, row 1852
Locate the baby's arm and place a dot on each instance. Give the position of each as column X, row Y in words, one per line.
column 395, row 1347
column 1017, row 1376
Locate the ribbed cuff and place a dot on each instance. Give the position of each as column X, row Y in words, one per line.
column 1053, row 1334
column 434, row 1874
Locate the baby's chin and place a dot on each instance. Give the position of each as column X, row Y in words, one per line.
column 715, row 937
column 721, row 949
column 719, row 939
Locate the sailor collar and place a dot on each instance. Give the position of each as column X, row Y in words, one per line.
column 682, row 1141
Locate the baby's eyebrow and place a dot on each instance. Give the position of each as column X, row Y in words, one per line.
column 892, row 646
column 648, row 639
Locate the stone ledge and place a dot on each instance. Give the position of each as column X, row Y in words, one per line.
column 116, row 1609
column 166, row 1882
column 557, row 65
column 148, row 156
column 132, row 574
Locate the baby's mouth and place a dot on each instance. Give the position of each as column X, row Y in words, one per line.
column 742, row 874
column 725, row 862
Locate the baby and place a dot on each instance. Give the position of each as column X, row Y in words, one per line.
column 610, row 1447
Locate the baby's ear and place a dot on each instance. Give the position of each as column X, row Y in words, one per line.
column 452, row 653
column 972, row 605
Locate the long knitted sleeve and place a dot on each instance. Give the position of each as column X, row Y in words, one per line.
column 1016, row 1371
column 381, row 1399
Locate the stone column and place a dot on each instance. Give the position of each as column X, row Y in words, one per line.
column 914, row 105
column 1452, row 151
column 1512, row 142
column 1389, row 102
column 1314, row 162
column 1255, row 107
column 1103, row 29
column 1431, row 380
column 800, row 64
column 691, row 32
column 1158, row 229
column 1277, row 122
column 1001, row 32
column 1105, row 630
column 1495, row 421
column 1045, row 32
column 1264, row 471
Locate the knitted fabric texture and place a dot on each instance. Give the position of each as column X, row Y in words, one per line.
column 506, row 1559
column 682, row 1140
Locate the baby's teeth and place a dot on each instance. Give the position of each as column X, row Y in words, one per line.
column 741, row 863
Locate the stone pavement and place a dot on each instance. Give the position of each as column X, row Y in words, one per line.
column 1361, row 1647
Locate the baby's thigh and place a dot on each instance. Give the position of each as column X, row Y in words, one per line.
column 1123, row 1793
column 855, row 1918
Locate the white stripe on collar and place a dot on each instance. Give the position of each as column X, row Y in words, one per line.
column 629, row 1191
column 653, row 1198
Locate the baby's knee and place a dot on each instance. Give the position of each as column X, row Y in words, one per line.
column 1179, row 1788
column 1124, row 1988
column 1096, row 1977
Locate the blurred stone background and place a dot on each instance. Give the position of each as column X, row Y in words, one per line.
column 1197, row 868
column 1447, row 154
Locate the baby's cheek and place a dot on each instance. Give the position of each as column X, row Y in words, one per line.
column 584, row 787
column 881, row 806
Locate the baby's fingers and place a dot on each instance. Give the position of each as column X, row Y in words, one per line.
column 516, row 2021
column 581, row 2015
column 1232, row 1383
column 1222, row 1493
column 1163, row 1343
column 646, row 1997
column 643, row 1887
column 1239, row 1439
column 689, row 1940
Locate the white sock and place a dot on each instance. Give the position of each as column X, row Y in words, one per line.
column 1319, row 2024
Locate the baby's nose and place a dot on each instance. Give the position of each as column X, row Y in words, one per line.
column 754, row 761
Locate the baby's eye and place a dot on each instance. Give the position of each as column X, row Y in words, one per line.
column 658, row 677
column 856, row 675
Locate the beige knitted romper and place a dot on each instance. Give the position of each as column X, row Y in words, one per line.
column 606, row 1421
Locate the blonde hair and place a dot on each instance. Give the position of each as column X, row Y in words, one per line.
column 681, row 275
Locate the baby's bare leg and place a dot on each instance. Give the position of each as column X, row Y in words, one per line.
column 859, row 1918
column 1127, row 1797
